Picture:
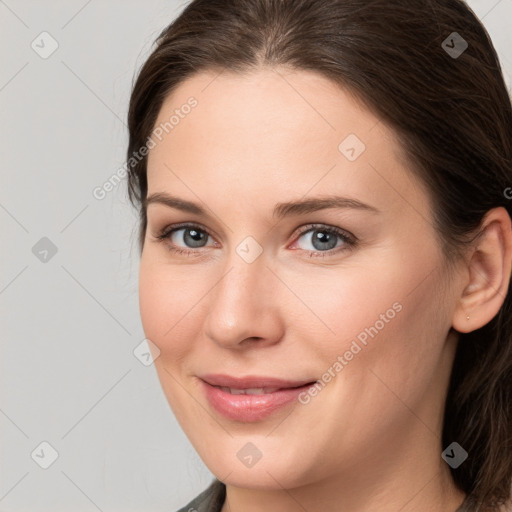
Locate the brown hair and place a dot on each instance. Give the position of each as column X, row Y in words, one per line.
column 452, row 114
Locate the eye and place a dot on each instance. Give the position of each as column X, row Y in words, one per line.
column 192, row 235
column 325, row 240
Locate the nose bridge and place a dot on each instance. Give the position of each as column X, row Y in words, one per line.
column 243, row 303
column 243, row 289
column 246, row 265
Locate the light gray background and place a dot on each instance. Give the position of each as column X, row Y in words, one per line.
column 70, row 325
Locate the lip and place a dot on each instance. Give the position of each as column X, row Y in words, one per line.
column 249, row 408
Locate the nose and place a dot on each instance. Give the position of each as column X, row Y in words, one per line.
column 244, row 308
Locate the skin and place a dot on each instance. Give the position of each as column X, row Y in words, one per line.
column 371, row 439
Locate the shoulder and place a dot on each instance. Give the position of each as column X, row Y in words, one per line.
column 210, row 500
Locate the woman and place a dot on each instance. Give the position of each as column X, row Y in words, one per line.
column 326, row 250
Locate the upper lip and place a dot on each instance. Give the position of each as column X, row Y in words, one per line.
column 252, row 381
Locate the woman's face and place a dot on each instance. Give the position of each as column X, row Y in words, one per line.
column 350, row 296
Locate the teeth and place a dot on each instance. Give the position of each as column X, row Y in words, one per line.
column 249, row 391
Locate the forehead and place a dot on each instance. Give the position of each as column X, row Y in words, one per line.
column 291, row 105
column 275, row 130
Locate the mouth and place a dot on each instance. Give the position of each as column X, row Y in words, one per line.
column 251, row 399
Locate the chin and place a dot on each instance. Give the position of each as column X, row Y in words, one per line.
column 240, row 463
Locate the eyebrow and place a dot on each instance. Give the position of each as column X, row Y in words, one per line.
column 281, row 210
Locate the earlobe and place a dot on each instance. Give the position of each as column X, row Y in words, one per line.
column 488, row 271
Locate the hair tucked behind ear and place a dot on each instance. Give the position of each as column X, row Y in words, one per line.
column 453, row 117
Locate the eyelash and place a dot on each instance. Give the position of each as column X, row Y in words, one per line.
column 349, row 240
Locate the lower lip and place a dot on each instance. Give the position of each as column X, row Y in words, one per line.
column 249, row 408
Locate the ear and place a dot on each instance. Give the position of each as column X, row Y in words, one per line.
column 488, row 273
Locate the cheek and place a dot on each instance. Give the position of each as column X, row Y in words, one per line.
column 344, row 305
column 386, row 319
column 152, row 302
column 404, row 334
column 165, row 302
column 390, row 341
